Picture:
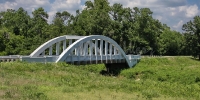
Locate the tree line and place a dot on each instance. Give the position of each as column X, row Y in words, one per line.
column 131, row 28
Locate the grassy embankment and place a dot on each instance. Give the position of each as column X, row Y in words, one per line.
column 153, row 78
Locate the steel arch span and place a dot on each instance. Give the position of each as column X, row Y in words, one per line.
column 82, row 50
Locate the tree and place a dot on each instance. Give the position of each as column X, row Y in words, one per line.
column 2, row 41
column 192, row 31
column 39, row 22
column 10, row 43
column 131, row 28
column 117, row 31
column 22, row 20
column 171, row 42
column 94, row 19
column 60, row 22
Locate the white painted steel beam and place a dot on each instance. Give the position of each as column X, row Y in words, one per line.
column 57, row 48
column 101, row 49
column 50, row 50
column 64, row 45
column 96, row 46
column 106, row 50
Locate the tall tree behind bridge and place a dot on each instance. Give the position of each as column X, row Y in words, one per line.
column 192, row 35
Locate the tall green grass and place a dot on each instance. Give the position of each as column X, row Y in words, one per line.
column 153, row 78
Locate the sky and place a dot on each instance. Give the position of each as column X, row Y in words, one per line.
column 174, row 13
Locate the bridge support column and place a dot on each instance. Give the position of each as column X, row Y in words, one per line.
column 81, row 49
column 91, row 51
column 76, row 51
column 64, row 45
column 50, row 50
column 110, row 52
column 71, row 53
column 85, row 51
column 106, row 50
column 70, row 42
column 58, row 48
column 78, row 55
column 115, row 52
column 101, row 50
column 96, row 46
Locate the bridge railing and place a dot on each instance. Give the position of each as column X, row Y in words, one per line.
column 9, row 58
column 42, row 59
column 138, row 57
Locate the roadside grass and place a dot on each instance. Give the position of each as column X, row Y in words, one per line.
column 169, row 78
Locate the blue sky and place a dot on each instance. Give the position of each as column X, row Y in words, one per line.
column 174, row 13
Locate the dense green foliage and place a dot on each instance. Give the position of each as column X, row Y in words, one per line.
column 133, row 28
column 192, row 36
column 162, row 78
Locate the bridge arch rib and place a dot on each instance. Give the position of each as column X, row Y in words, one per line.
column 51, row 42
column 98, row 49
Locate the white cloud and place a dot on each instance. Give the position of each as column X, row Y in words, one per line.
column 66, row 5
column 191, row 11
column 150, row 3
column 26, row 4
column 7, row 5
column 180, row 24
column 159, row 17
column 177, row 16
column 42, row 2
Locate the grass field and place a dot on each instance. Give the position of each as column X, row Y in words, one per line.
column 170, row 78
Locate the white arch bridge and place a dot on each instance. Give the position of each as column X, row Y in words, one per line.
column 82, row 50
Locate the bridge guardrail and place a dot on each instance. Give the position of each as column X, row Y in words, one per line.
column 10, row 58
column 134, row 57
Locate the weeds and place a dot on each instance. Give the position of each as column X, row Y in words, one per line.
column 152, row 78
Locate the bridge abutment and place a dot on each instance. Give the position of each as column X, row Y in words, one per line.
column 115, row 68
